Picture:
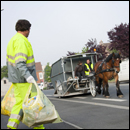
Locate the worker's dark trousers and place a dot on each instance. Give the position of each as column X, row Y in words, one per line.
column 79, row 74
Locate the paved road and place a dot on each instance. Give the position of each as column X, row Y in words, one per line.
column 86, row 112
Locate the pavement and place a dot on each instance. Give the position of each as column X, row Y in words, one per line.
column 5, row 88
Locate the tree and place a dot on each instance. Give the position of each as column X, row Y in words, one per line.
column 47, row 72
column 92, row 44
column 87, row 48
column 113, row 50
column 119, row 37
column 4, row 71
column 84, row 49
column 71, row 53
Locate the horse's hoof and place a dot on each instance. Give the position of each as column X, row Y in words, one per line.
column 107, row 96
column 120, row 96
column 99, row 92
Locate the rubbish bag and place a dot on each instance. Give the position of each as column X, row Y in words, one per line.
column 48, row 111
column 8, row 102
column 38, row 109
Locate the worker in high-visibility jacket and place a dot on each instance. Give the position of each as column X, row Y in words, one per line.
column 88, row 67
column 21, row 70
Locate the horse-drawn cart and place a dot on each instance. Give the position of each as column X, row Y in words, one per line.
column 63, row 78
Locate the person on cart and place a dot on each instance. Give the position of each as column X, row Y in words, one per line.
column 88, row 67
column 79, row 71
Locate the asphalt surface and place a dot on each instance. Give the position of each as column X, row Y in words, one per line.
column 87, row 112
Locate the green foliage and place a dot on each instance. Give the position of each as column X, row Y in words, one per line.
column 47, row 72
column 45, row 88
column 113, row 50
column 4, row 71
column 84, row 49
column 77, row 53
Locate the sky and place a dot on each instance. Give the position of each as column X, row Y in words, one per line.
column 61, row 26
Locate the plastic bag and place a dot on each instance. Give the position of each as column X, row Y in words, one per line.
column 40, row 111
column 8, row 102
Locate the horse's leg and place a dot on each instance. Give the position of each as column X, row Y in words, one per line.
column 119, row 93
column 98, row 84
column 107, row 95
column 103, row 92
column 105, row 87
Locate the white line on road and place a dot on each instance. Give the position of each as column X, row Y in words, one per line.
column 49, row 95
column 93, row 103
column 118, row 100
column 80, row 97
column 72, row 125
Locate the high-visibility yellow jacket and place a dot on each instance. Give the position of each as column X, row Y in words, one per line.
column 20, row 60
column 87, row 66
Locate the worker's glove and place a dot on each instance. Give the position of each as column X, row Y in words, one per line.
column 30, row 79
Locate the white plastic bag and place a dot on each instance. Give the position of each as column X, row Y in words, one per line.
column 40, row 111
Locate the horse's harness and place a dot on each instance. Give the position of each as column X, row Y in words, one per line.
column 106, row 70
column 113, row 63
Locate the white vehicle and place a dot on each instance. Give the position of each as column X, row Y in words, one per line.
column 124, row 71
column 41, row 85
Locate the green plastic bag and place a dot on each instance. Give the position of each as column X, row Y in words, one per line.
column 38, row 109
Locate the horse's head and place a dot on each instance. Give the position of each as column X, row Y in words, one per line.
column 116, row 60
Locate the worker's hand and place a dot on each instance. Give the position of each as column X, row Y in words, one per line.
column 30, row 79
column 76, row 77
column 89, row 71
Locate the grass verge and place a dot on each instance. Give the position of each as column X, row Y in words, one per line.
column 111, row 81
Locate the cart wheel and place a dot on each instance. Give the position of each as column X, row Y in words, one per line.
column 92, row 88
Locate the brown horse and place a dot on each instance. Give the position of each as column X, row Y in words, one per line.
column 106, row 70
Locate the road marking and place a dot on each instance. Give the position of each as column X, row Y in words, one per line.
column 49, row 95
column 72, row 97
column 80, row 97
column 72, row 125
column 93, row 103
column 118, row 100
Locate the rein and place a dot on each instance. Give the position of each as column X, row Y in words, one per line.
column 105, row 70
column 116, row 66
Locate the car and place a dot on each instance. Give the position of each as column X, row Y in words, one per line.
column 41, row 86
column 50, row 86
column 124, row 71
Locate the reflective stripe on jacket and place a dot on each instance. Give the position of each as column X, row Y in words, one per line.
column 20, row 59
column 87, row 66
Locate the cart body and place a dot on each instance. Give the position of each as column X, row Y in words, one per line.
column 63, row 78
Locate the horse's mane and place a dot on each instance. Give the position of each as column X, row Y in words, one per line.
column 108, row 58
column 117, row 55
